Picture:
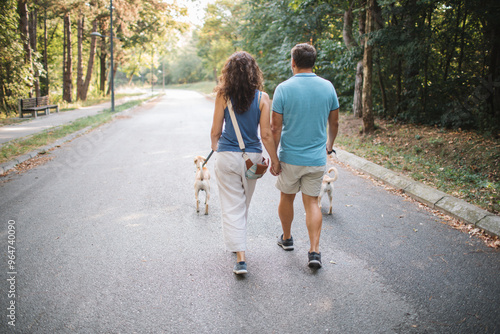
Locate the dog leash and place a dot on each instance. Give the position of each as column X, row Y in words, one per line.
column 206, row 160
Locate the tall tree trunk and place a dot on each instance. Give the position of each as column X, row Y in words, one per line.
column 68, row 73
column 22, row 9
column 90, row 64
column 426, row 64
column 33, row 43
column 64, row 58
column 350, row 42
column 399, row 87
column 131, row 77
column 79, row 67
column 45, row 81
column 368, row 119
column 357, row 105
column 452, row 46
column 358, row 84
column 382, row 86
column 462, row 42
column 102, row 57
column 115, row 68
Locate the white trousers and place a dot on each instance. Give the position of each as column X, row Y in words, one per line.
column 235, row 193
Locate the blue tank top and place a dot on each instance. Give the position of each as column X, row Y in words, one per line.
column 248, row 123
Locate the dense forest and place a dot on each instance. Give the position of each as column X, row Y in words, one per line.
column 420, row 61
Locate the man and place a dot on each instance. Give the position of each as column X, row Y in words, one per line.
column 302, row 107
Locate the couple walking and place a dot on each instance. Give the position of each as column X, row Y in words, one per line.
column 302, row 108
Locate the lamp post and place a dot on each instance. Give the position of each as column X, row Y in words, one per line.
column 112, row 81
column 161, row 73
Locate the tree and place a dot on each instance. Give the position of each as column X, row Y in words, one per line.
column 79, row 67
column 351, row 43
column 217, row 38
column 67, row 61
column 435, row 62
column 15, row 74
column 83, row 91
column 368, row 119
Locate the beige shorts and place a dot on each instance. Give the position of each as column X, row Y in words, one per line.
column 306, row 179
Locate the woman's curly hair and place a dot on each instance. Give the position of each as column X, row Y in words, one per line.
column 240, row 78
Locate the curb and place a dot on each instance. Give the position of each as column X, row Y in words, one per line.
column 435, row 199
column 5, row 167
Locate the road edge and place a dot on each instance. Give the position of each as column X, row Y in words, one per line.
column 455, row 207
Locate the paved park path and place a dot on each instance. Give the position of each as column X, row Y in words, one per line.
column 34, row 125
column 107, row 240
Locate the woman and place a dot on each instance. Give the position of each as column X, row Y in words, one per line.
column 240, row 81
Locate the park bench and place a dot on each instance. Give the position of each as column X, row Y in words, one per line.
column 33, row 105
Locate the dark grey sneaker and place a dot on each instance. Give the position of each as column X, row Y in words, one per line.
column 240, row 268
column 286, row 244
column 314, row 260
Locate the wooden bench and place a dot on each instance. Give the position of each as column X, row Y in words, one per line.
column 33, row 105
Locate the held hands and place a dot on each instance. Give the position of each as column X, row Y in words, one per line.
column 275, row 168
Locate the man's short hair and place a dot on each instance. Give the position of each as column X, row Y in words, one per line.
column 304, row 55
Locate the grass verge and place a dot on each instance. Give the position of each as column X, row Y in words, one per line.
column 22, row 146
column 12, row 118
column 461, row 163
column 65, row 106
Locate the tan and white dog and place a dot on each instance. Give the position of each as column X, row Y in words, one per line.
column 202, row 182
column 327, row 187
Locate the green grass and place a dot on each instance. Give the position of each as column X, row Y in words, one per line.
column 462, row 164
column 65, row 106
column 12, row 117
column 18, row 147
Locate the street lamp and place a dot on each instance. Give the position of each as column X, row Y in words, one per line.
column 112, row 81
column 163, row 77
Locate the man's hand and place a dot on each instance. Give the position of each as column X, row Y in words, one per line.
column 275, row 168
column 330, row 151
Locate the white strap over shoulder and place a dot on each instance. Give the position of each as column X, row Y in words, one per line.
column 236, row 127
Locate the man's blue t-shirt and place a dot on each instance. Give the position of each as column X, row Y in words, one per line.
column 305, row 101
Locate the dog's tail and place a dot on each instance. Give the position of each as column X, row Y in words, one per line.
column 335, row 175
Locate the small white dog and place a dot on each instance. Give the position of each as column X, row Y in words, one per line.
column 327, row 187
column 202, row 182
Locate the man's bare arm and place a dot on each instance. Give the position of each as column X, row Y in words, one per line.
column 276, row 127
column 333, row 128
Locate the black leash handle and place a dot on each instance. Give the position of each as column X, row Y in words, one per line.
column 206, row 160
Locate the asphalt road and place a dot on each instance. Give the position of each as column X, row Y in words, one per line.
column 107, row 240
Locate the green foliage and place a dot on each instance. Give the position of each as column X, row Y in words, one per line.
column 187, row 68
column 432, row 59
column 139, row 25
column 217, row 38
column 16, row 76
